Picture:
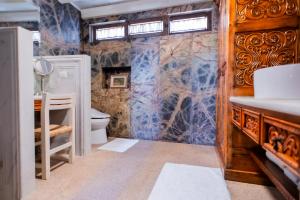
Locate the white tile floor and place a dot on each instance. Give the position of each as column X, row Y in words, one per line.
column 105, row 175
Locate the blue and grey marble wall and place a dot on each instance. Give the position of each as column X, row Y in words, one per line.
column 112, row 101
column 59, row 26
column 173, row 82
column 144, row 15
column 174, row 88
column 145, row 89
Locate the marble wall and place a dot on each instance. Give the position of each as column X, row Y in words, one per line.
column 145, row 89
column 144, row 15
column 174, row 88
column 173, row 82
column 112, row 101
column 59, row 27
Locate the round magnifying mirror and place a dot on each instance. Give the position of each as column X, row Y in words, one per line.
column 43, row 67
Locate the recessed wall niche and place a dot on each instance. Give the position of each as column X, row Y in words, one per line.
column 108, row 72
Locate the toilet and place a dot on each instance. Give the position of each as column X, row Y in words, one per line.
column 99, row 123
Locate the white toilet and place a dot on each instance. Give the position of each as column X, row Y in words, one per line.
column 99, row 123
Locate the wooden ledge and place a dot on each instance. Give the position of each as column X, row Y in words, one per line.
column 286, row 187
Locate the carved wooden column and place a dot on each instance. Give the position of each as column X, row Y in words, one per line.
column 260, row 49
column 266, row 35
column 253, row 34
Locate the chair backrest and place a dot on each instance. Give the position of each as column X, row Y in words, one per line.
column 58, row 101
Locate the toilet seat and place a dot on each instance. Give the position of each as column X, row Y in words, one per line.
column 95, row 114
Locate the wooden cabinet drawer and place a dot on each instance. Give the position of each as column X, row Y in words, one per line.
column 237, row 116
column 251, row 124
column 282, row 138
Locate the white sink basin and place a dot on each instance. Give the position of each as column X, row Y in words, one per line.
column 280, row 82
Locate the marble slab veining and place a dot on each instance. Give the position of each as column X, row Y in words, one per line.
column 173, row 82
column 59, row 26
column 115, row 102
column 188, row 111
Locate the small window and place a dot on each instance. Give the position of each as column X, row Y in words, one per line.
column 190, row 23
column 173, row 24
column 108, row 30
column 110, row 33
column 146, row 28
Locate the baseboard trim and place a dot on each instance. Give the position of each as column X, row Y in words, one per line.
column 247, row 177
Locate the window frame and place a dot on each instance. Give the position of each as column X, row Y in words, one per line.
column 207, row 14
column 153, row 19
column 166, row 25
column 109, row 25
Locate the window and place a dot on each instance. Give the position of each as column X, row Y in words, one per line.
column 173, row 24
column 186, row 25
column 110, row 33
column 189, row 23
column 109, row 30
column 146, row 28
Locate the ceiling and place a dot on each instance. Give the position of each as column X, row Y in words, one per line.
column 18, row 10
column 25, row 10
column 84, row 4
column 99, row 8
column 17, row 5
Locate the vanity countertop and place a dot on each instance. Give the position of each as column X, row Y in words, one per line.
column 288, row 106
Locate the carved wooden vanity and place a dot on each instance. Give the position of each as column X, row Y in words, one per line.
column 274, row 132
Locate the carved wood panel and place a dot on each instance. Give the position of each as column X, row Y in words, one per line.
column 255, row 50
column 283, row 139
column 251, row 124
column 237, row 116
column 247, row 10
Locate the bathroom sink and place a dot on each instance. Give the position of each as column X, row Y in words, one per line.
column 280, row 82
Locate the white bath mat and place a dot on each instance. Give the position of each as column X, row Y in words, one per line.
column 119, row 145
column 177, row 182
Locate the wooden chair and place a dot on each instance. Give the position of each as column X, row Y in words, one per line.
column 49, row 130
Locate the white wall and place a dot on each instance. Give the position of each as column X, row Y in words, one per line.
column 26, row 111
column 72, row 74
column 17, row 165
